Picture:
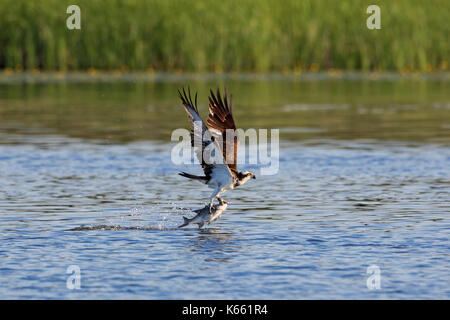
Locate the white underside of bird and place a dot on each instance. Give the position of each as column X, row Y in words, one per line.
column 221, row 181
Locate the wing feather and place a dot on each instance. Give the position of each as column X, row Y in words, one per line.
column 221, row 122
column 201, row 137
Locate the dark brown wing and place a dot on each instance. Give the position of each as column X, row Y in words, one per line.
column 220, row 122
column 200, row 138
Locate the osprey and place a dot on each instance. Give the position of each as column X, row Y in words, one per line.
column 218, row 135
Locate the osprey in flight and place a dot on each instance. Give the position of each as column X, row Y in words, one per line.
column 218, row 135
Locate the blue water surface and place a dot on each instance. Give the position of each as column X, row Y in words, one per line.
column 309, row 232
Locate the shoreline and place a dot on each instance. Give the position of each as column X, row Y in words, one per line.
column 21, row 77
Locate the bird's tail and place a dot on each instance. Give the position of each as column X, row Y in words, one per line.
column 192, row 176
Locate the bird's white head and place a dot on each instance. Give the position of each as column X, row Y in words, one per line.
column 244, row 176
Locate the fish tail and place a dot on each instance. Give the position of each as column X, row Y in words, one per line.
column 185, row 222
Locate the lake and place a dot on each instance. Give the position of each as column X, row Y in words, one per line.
column 364, row 181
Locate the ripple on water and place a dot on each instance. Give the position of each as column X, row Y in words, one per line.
column 310, row 231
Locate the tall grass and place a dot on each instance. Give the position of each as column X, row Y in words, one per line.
column 225, row 35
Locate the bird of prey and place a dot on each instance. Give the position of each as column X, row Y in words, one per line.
column 218, row 135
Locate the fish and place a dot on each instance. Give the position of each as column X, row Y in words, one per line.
column 205, row 216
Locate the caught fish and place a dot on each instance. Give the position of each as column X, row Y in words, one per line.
column 205, row 216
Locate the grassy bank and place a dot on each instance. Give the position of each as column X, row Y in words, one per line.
column 231, row 35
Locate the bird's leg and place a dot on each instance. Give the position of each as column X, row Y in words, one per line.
column 212, row 197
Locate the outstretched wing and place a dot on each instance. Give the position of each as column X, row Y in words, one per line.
column 201, row 138
column 221, row 123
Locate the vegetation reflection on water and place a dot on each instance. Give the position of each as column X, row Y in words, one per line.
column 384, row 110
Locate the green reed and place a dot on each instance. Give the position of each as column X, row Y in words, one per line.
column 225, row 35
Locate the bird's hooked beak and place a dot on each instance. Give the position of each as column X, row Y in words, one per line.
column 254, row 177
